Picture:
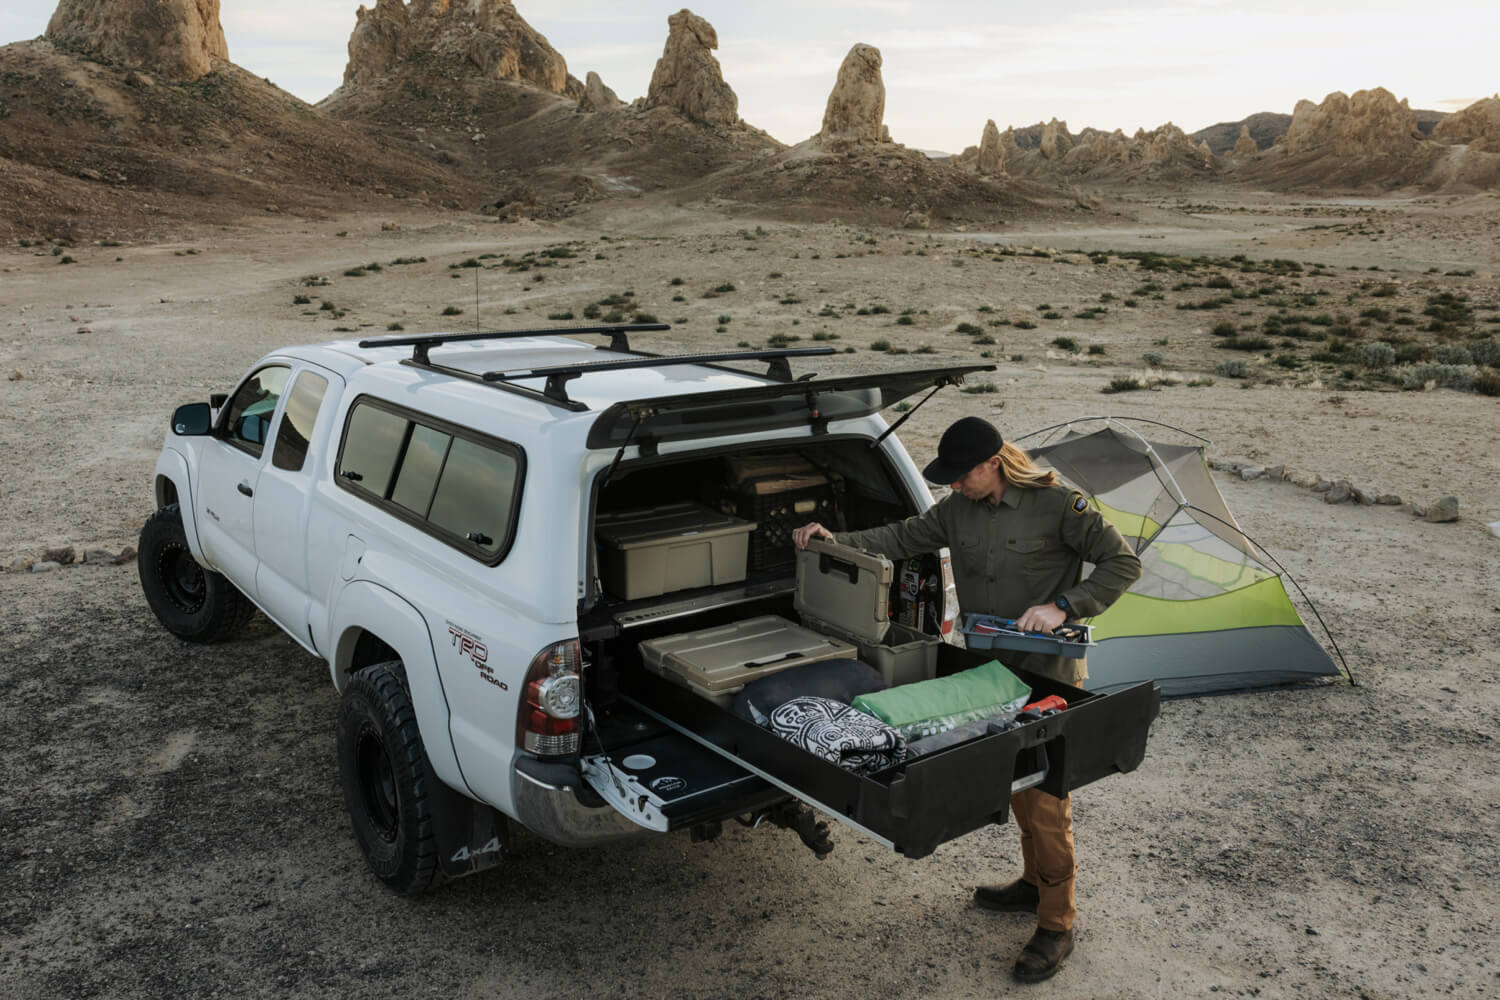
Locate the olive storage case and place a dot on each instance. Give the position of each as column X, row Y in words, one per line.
column 845, row 592
column 717, row 663
column 657, row 550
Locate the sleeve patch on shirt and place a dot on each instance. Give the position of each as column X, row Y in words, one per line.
column 1080, row 503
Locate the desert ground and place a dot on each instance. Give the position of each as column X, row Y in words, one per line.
column 171, row 823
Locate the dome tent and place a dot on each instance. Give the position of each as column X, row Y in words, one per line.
column 1210, row 612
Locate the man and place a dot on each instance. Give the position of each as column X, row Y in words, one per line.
column 1019, row 541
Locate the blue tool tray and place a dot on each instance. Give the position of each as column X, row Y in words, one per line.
column 1071, row 639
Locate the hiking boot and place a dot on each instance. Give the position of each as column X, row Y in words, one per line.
column 1043, row 955
column 1018, row 897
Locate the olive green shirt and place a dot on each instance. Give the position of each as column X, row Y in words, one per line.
column 1026, row 550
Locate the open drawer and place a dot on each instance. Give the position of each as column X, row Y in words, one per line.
column 915, row 806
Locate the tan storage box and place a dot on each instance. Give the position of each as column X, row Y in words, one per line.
column 845, row 592
column 646, row 553
column 717, row 663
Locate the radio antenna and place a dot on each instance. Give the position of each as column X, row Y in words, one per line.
column 476, row 296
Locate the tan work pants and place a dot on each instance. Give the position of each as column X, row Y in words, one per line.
column 1046, row 825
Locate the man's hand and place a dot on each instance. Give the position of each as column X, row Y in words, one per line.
column 1042, row 618
column 801, row 536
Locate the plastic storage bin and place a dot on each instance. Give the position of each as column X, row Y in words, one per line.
column 846, row 592
column 778, row 503
column 646, row 553
column 717, row 663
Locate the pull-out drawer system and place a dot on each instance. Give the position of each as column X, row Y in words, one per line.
column 914, row 806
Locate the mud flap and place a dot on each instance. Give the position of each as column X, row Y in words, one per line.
column 471, row 836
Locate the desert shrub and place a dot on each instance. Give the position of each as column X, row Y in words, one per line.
column 1232, row 369
column 1226, row 329
column 1152, row 358
column 300, row 300
column 614, row 316
column 1487, row 384
column 591, row 311
column 1066, row 344
column 1485, row 352
column 1096, row 349
column 880, row 345
column 395, row 327
column 1219, row 281
column 1246, row 344
column 728, row 286
column 979, row 388
column 646, row 318
column 1452, row 354
column 1123, row 383
column 565, row 314
column 984, row 339
column 879, row 310
column 452, row 311
column 781, row 339
column 1024, row 324
column 1444, row 376
column 968, row 328
column 904, row 320
column 1376, row 354
column 1052, row 315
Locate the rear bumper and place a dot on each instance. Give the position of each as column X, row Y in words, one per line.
column 547, row 804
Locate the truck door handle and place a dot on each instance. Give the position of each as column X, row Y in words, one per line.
column 245, row 489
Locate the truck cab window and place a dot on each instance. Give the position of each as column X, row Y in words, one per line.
column 254, row 404
column 297, row 421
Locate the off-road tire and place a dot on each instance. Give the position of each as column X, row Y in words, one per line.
column 193, row 603
column 386, row 777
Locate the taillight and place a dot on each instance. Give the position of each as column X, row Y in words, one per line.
column 552, row 699
column 950, row 596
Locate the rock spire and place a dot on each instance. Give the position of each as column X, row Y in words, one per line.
column 175, row 39
column 856, row 106
column 687, row 76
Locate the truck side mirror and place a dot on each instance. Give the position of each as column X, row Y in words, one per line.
column 192, row 419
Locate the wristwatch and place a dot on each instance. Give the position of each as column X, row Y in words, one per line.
column 1067, row 608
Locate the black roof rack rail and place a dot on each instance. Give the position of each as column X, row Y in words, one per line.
column 421, row 343
column 558, row 376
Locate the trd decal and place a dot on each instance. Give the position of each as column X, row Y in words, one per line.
column 473, row 648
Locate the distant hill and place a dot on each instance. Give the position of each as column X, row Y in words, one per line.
column 1265, row 128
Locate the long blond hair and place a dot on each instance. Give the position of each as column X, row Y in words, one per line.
column 1019, row 470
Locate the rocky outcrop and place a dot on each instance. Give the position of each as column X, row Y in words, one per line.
column 596, row 96
column 856, row 107
column 173, row 39
column 1206, row 155
column 1477, row 126
column 1245, row 144
column 1055, row 140
column 1370, row 123
column 991, row 156
column 485, row 37
column 687, row 76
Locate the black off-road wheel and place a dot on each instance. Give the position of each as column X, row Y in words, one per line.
column 387, row 779
column 193, row 603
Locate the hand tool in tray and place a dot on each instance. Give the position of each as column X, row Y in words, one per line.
column 989, row 632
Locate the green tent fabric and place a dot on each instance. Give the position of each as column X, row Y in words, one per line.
column 1210, row 612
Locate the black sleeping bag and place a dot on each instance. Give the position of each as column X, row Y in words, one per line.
column 836, row 680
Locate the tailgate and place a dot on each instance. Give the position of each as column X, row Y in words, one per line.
column 915, row 806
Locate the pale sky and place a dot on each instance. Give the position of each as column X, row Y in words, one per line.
column 951, row 64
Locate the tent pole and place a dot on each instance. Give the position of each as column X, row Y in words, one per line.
column 1284, row 572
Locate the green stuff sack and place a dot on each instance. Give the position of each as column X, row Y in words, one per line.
column 927, row 708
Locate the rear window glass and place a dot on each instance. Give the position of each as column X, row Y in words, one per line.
column 371, row 446
column 459, row 486
column 474, row 494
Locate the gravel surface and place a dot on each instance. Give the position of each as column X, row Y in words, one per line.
column 172, row 824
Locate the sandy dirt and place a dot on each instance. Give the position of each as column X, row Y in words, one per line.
column 171, row 823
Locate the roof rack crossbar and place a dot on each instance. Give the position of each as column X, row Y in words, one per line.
column 421, row 343
column 558, row 376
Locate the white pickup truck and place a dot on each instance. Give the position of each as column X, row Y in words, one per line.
column 424, row 513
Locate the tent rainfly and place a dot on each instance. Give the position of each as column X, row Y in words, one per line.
column 1210, row 613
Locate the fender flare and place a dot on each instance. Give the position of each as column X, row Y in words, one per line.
column 358, row 607
column 173, row 467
